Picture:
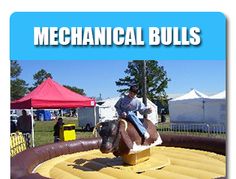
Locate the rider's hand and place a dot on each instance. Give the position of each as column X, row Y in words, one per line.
column 123, row 115
column 149, row 110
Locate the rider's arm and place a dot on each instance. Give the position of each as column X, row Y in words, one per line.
column 118, row 107
column 144, row 109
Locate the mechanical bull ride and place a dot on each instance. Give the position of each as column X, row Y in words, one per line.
column 122, row 138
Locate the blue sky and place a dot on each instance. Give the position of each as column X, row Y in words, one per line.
column 95, row 77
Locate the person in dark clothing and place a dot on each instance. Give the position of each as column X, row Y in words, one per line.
column 24, row 125
column 13, row 127
column 163, row 118
column 57, row 127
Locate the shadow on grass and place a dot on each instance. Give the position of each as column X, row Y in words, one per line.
column 80, row 130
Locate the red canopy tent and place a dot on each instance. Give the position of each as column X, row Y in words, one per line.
column 51, row 95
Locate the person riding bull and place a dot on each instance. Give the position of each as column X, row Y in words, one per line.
column 127, row 107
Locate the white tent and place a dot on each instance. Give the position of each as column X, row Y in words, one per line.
column 221, row 95
column 193, row 94
column 198, row 108
column 215, row 109
column 107, row 110
column 188, row 108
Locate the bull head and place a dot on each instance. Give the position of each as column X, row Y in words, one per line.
column 109, row 132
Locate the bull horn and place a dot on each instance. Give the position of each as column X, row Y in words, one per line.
column 126, row 124
column 95, row 128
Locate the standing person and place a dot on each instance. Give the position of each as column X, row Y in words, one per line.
column 57, row 127
column 163, row 118
column 127, row 108
column 13, row 127
column 24, row 125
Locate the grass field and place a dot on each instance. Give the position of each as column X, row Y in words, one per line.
column 44, row 131
column 184, row 130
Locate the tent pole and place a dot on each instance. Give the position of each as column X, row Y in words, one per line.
column 32, row 123
column 77, row 115
column 144, row 83
column 203, row 106
column 95, row 118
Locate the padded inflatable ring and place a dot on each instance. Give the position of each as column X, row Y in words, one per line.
column 23, row 163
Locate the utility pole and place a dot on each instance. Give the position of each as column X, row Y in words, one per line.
column 144, row 86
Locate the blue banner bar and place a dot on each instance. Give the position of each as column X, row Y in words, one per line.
column 117, row 36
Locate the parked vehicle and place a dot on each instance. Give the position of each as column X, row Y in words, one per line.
column 87, row 119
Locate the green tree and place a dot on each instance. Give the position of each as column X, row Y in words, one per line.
column 157, row 80
column 18, row 89
column 75, row 89
column 15, row 69
column 39, row 77
column 18, row 86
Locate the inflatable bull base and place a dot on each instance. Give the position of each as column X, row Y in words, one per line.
column 136, row 158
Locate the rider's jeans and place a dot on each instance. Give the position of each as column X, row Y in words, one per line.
column 136, row 121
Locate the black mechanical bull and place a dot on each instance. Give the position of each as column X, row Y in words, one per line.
column 118, row 136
